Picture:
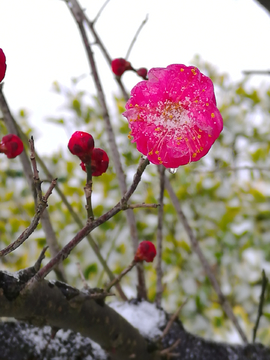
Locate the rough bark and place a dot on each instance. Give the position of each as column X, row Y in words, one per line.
column 60, row 306
column 64, row 307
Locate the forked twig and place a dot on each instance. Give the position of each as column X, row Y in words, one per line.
column 90, row 226
column 167, row 352
column 77, row 219
column 34, row 223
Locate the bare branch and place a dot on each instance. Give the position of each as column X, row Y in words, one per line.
column 172, row 319
column 143, row 205
column 46, row 223
column 79, row 17
column 120, row 276
column 196, row 248
column 161, row 170
column 100, row 11
column 232, row 168
column 14, row 128
column 167, row 351
column 260, row 309
column 88, row 192
column 64, row 253
column 136, row 36
column 30, row 229
column 256, row 72
column 40, row 258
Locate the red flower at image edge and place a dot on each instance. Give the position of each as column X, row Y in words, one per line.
column 3, row 65
column 173, row 116
column 146, row 252
column 11, row 145
column 81, row 144
column 99, row 162
column 120, row 65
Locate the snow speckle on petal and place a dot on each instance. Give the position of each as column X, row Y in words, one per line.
column 173, row 116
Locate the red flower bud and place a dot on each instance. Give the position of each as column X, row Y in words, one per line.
column 120, row 65
column 82, row 145
column 11, row 145
column 99, row 162
column 142, row 72
column 146, row 251
column 3, row 65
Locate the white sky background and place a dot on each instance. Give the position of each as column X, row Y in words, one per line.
column 42, row 44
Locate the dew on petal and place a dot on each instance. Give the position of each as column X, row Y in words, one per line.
column 173, row 170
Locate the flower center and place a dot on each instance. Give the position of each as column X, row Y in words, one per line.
column 172, row 115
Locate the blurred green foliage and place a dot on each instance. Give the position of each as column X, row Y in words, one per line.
column 225, row 197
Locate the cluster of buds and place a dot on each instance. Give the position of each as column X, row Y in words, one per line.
column 82, row 145
column 3, row 65
column 120, row 65
column 11, row 145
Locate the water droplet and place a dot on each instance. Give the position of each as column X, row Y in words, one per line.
column 173, row 170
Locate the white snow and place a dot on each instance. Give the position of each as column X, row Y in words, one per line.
column 144, row 316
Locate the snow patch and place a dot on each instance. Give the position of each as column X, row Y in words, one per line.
column 144, row 316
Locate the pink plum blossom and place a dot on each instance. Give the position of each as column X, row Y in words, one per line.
column 173, row 116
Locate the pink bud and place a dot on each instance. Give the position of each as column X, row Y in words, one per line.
column 11, row 145
column 142, row 72
column 3, row 65
column 81, row 144
column 120, row 65
column 146, row 251
column 99, row 162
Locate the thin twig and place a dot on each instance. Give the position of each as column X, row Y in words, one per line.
column 172, row 319
column 231, row 168
column 93, row 293
column 196, row 248
column 90, row 226
column 159, row 288
column 100, row 11
column 100, row 295
column 33, row 158
column 79, row 17
column 31, row 228
column 88, row 192
column 40, row 258
column 78, row 9
column 170, row 348
column 143, row 205
column 260, row 308
column 36, row 178
column 256, row 72
column 135, row 36
column 85, row 285
column 120, row 276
